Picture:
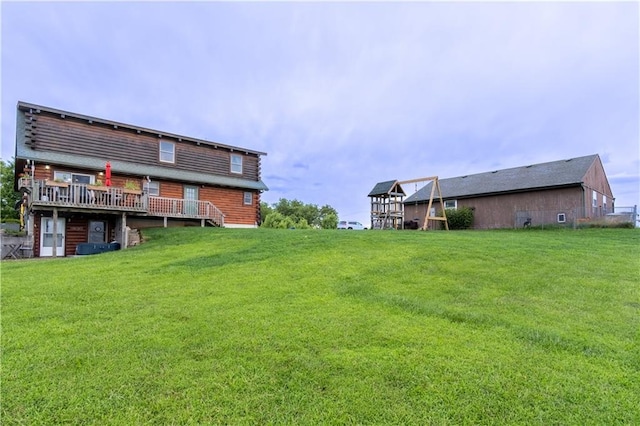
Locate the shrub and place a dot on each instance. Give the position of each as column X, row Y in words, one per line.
column 461, row 218
column 278, row 220
column 603, row 224
column 330, row 221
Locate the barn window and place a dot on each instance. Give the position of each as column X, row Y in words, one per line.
column 248, row 198
column 451, row 204
column 167, row 152
column 562, row 218
column 236, row 163
column 595, row 199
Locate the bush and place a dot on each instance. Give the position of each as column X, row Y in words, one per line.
column 278, row 220
column 602, row 224
column 330, row 221
column 461, row 218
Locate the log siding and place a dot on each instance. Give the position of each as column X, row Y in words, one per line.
column 71, row 135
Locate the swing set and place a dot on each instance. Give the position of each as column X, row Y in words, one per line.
column 387, row 207
column 430, row 215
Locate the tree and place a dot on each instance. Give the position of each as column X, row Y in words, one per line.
column 328, row 217
column 296, row 214
column 265, row 210
column 8, row 197
column 330, row 221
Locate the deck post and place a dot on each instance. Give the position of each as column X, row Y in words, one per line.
column 54, row 251
column 125, row 236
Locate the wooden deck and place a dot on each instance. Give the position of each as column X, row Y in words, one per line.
column 45, row 194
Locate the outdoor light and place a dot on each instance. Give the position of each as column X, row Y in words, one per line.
column 47, row 167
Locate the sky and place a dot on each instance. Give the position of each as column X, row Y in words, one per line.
column 342, row 95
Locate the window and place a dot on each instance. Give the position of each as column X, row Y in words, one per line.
column 595, row 199
column 167, row 152
column 248, row 198
column 236, row 163
column 73, row 177
column 153, row 188
column 451, row 204
column 562, row 218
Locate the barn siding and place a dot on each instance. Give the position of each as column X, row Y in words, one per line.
column 596, row 180
column 499, row 211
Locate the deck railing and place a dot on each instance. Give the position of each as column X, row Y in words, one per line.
column 77, row 195
column 81, row 196
column 188, row 209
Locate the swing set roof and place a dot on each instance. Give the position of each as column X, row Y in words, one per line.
column 386, row 188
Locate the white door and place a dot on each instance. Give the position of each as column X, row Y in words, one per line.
column 46, row 237
column 190, row 200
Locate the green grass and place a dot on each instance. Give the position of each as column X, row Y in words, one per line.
column 222, row 326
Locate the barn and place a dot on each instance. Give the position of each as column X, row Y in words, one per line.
column 561, row 192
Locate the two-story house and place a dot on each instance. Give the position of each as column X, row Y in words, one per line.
column 87, row 179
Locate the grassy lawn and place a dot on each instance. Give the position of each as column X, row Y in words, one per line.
column 264, row 326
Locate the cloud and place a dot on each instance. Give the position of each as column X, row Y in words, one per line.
column 343, row 95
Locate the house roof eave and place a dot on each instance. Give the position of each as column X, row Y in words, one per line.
column 155, row 172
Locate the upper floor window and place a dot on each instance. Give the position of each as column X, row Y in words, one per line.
column 236, row 163
column 167, row 152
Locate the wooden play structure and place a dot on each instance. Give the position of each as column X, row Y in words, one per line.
column 387, row 207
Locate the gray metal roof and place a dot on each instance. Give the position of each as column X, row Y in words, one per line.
column 384, row 188
column 536, row 176
column 156, row 172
